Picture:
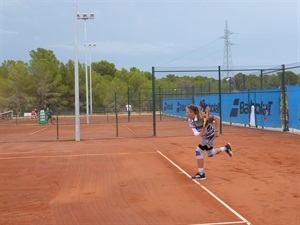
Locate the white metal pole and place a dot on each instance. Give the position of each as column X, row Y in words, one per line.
column 91, row 96
column 86, row 78
column 77, row 115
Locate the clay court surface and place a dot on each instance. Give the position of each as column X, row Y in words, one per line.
column 138, row 179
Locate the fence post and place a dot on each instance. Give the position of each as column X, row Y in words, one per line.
column 128, row 104
column 160, row 104
column 283, row 88
column 116, row 112
column 220, row 98
column 57, row 130
column 153, row 102
column 261, row 79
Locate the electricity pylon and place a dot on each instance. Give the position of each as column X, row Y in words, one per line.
column 227, row 60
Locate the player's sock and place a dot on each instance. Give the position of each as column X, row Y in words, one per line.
column 223, row 149
column 200, row 170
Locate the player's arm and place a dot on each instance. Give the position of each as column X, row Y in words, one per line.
column 196, row 133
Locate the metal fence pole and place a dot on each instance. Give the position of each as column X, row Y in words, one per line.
column 116, row 112
column 153, row 102
column 57, row 130
column 160, row 108
column 220, row 98
column 261, row 79
column 128, row 103
column 283, row 88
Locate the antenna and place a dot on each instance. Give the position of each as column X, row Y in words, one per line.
column 227, row 60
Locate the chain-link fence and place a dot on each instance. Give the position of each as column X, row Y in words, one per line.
column 257, row 97
column 262, row 92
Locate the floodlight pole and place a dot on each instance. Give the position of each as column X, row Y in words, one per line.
column 77, row 116
column 84, row 18
column 91, row 92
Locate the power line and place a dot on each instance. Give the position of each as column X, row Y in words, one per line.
column 188, row 53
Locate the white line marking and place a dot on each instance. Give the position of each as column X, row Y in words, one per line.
column 75, row 155
column 128, row 128
column 38, row 131
column 218, row 223
column 33, row 151
column 208, row 191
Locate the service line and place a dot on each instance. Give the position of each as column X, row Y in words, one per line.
column 128, row 128
column 72, row 155
column 38, row 131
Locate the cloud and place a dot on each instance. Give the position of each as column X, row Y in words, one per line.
column 7, row 32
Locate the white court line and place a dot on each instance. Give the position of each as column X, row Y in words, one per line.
column 38, row 131
column 224, row 223
column 74, row 155
column 128, row 128
column 32, row 151
column 209, row 192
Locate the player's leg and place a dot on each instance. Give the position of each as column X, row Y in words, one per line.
column 200, row 175
column 227, row 148
column 211, row 151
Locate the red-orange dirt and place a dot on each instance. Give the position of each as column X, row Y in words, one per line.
column 126, row 181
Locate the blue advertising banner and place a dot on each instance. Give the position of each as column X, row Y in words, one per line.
column 293, row 96
column 237, row 107
column 175, row 106
column 252, row 107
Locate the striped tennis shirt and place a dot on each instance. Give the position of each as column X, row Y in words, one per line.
column 197, row 127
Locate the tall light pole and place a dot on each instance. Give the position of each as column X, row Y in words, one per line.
column 84, row 18
column 77, row 114
column 90, row 45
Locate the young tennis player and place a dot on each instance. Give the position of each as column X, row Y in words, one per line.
column 201, row 127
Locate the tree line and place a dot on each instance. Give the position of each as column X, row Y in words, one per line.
column 45, row 80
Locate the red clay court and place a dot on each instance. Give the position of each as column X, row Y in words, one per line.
column 137, row 179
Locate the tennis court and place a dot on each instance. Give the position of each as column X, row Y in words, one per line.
column 145, row 180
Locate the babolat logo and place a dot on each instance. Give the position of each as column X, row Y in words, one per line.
column 181, row 107
column 245, row 107
column 168, row 106
column 234, row 111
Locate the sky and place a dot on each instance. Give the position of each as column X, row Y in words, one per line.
column 154, row 33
